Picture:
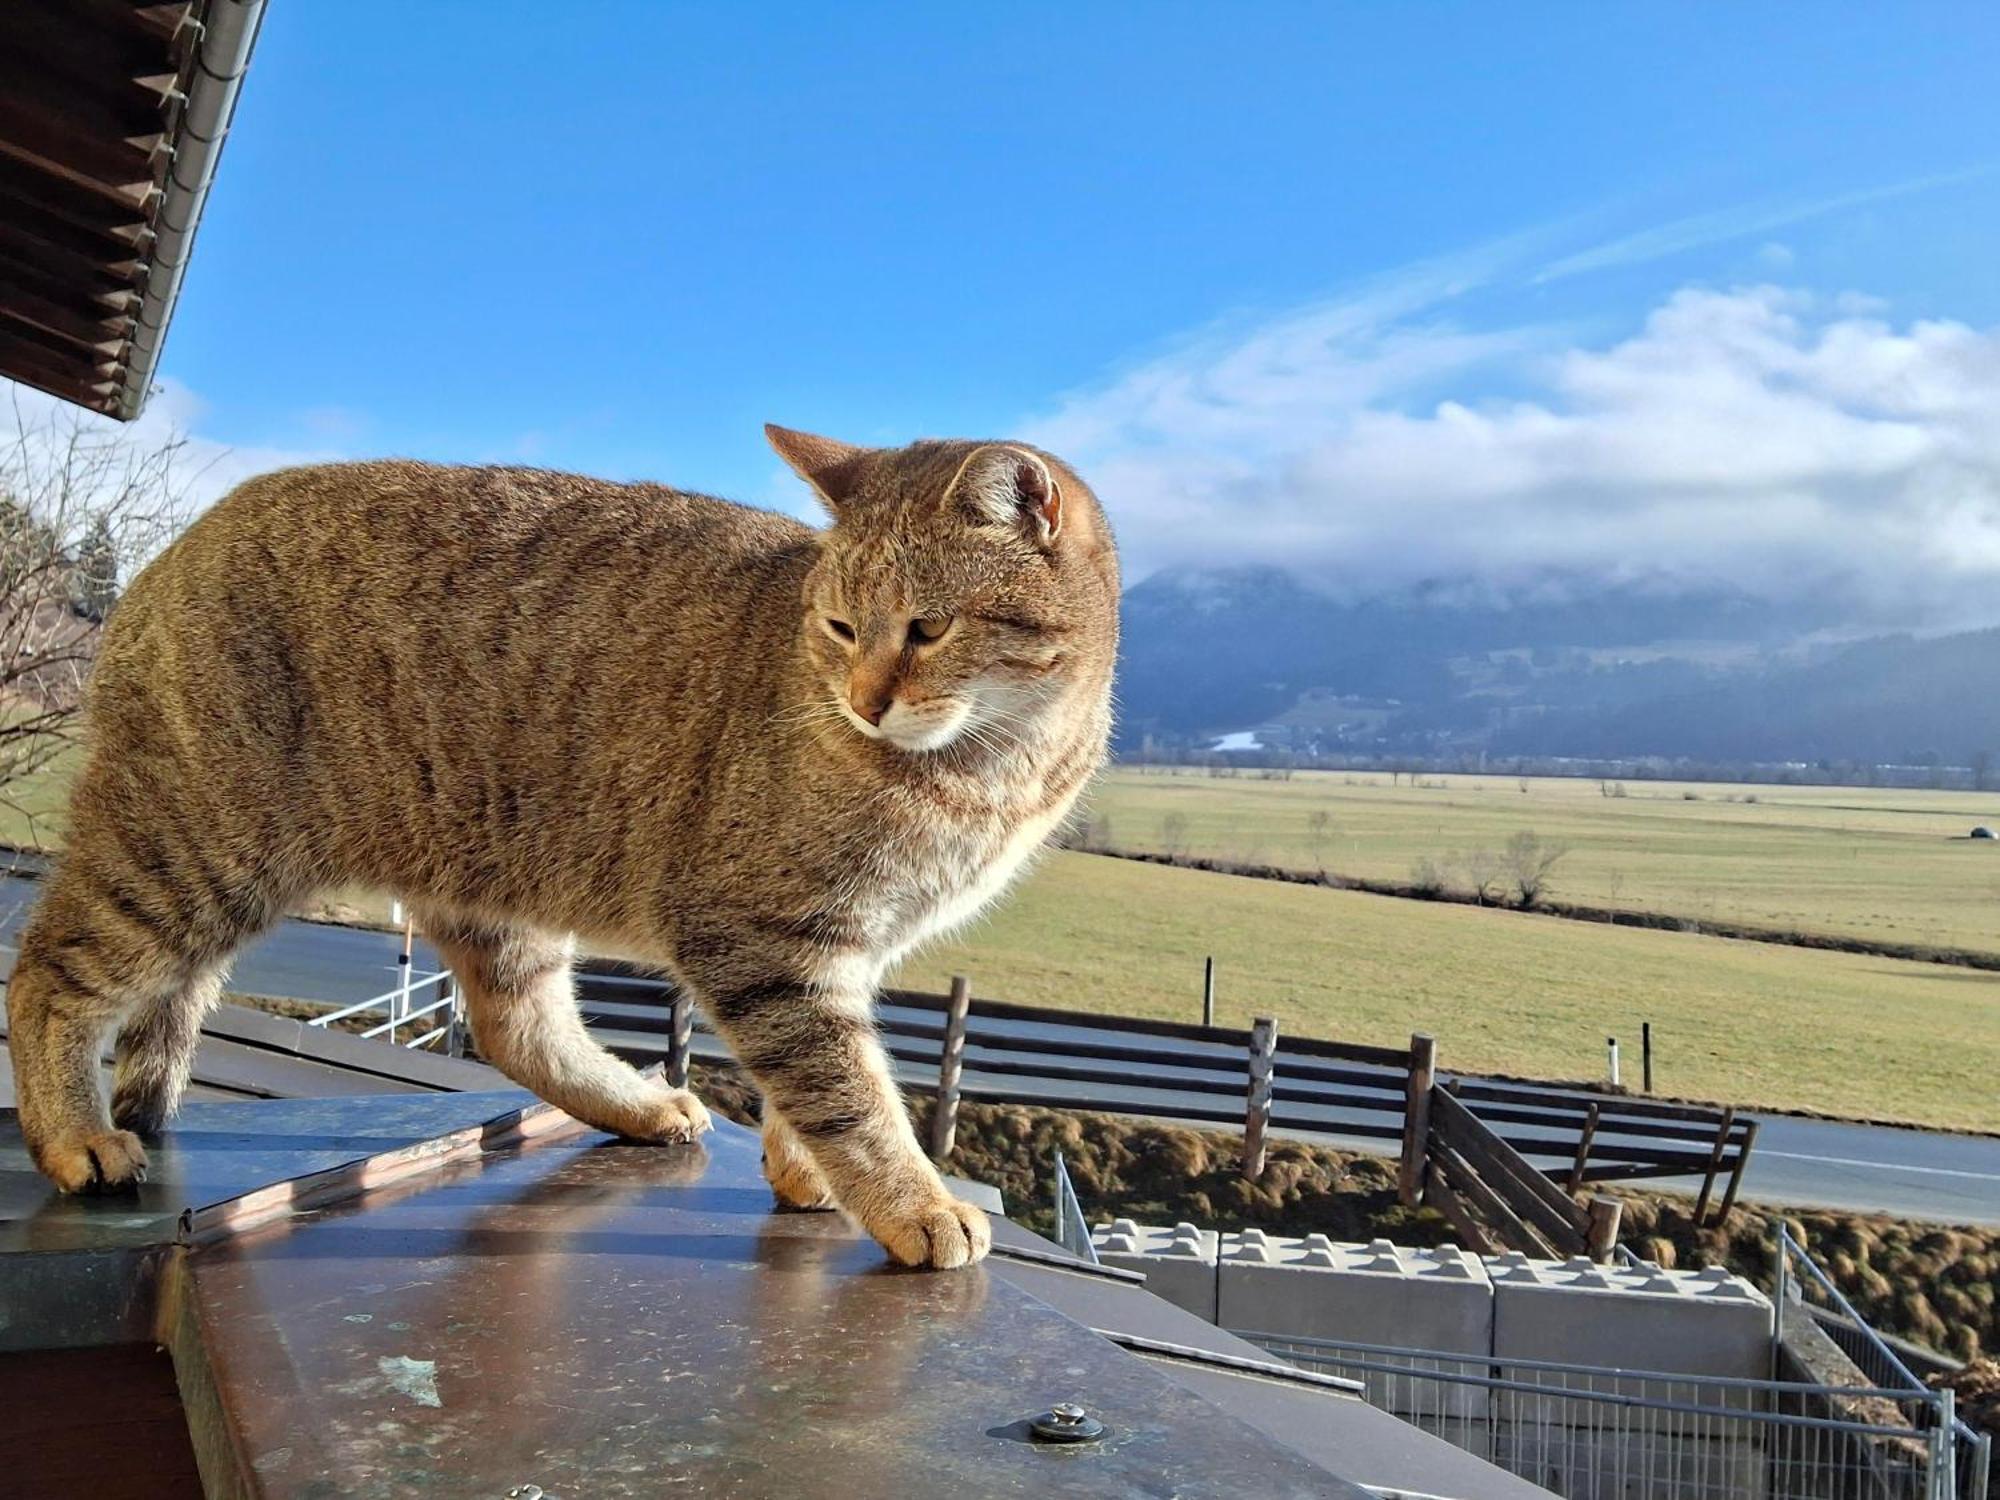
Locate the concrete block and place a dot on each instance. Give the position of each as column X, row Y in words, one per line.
column 1633, row 1317
column 1377, row 1293
column 1178, row 1263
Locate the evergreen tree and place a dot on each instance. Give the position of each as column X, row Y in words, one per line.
column 94, row 577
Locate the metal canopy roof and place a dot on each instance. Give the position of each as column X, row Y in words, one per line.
column 112, row 118
column 521, row 1305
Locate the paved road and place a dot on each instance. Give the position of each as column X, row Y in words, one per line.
column 1909, row 1173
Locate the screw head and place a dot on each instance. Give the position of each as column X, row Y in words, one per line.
column 1066, row 1422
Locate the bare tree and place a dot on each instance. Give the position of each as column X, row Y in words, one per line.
column 83, row 504
column 1319, row 837
column 1427, row 878
column 1486, row 875
column 1529, row 859
column 1174, row 835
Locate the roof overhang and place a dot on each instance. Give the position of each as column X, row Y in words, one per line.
column 112, row 120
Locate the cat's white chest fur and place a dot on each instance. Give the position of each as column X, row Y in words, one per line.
column 958, row 876
column 983, row 883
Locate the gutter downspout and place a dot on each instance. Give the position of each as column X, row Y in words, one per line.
column 222, row 57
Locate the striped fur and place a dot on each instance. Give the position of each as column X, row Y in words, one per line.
column 538, row 705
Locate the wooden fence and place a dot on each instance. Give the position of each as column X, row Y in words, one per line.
column 1495, row 1198
column 1504, row 1160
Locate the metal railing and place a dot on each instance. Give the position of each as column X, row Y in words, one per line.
column 1589, row 1432
column 1072, row 1229
column 400, row 1007
column 1877, row 1359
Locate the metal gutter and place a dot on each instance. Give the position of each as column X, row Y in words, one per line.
column 228, row 33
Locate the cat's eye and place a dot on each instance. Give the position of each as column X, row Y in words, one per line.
column 923, row 632
column 841, row 629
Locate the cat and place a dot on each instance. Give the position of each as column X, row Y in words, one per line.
column 768, row 759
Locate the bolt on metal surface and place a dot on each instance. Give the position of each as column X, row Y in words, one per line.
column 525, row 1492
column 1066, row 1422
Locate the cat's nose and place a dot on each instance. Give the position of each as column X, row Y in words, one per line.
column 871, row 702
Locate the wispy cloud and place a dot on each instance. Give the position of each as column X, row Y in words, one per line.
column 1698, row 230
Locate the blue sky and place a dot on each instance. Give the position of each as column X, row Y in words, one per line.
column 619, row 237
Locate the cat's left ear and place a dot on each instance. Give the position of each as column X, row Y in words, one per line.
column 833, row 469
column 1003, row 486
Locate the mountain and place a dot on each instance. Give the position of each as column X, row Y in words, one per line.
column 1892, row 700
column 1559, row 668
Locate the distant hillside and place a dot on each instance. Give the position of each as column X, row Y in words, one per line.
column 1558, row 670
column 1893, row 699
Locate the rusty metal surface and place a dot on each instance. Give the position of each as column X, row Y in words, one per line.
column 604, row 1321
column 215, row 1152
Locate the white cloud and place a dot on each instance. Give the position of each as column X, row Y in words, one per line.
column 1759, row 437
column 205, row 469
column 1698, row 230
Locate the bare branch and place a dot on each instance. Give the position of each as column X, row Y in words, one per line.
column 83, row 506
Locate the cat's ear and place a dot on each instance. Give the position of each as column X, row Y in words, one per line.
column 833, row 469
column 1002, row 486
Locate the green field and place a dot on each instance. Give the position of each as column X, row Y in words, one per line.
column 1747, row 1023
column 1886, row 865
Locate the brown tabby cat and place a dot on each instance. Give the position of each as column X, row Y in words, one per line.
column 769, row 759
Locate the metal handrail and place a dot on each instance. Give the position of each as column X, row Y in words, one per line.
column 397, row 1003
column 1654, row 1407
column 410, row 1015
column 379, row 1002
column 1072, row 1229
column 1976, row 1445
column 1571, row 1367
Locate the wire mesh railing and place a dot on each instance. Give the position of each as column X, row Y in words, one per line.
column 400, row 1007
column 1878, row 1360
column 1588, row 1432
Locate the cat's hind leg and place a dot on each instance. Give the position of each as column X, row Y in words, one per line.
column 156, row 1050
column 522, row 1007
column 795, row 1178
column 131, row 929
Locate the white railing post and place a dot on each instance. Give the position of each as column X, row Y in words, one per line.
column 400, row 1011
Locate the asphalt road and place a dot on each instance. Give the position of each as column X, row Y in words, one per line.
column 1809, row 1163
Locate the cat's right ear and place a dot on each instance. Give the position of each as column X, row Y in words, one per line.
column 833, row 469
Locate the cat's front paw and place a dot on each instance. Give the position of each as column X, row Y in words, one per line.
column 92, row 1161
column 941, row 1232
column 664, row 1114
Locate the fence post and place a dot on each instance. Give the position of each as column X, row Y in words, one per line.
column 1736, row 1176
column 680, row 1039
column 1714, row 1162
column 1583, row 1143
column 1944, row 1445
column 454, row 1016
column 1646, row 1047
column 944, row 1119
column 1602, row 1236
column 399, row 1005
column 1208, row 991
column 1257, row 1115
column 1417, row 1118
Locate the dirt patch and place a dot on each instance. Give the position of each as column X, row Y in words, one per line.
column 1977, row 1387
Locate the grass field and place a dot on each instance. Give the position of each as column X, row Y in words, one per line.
column 1746, row 1023
column 1886, row 865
